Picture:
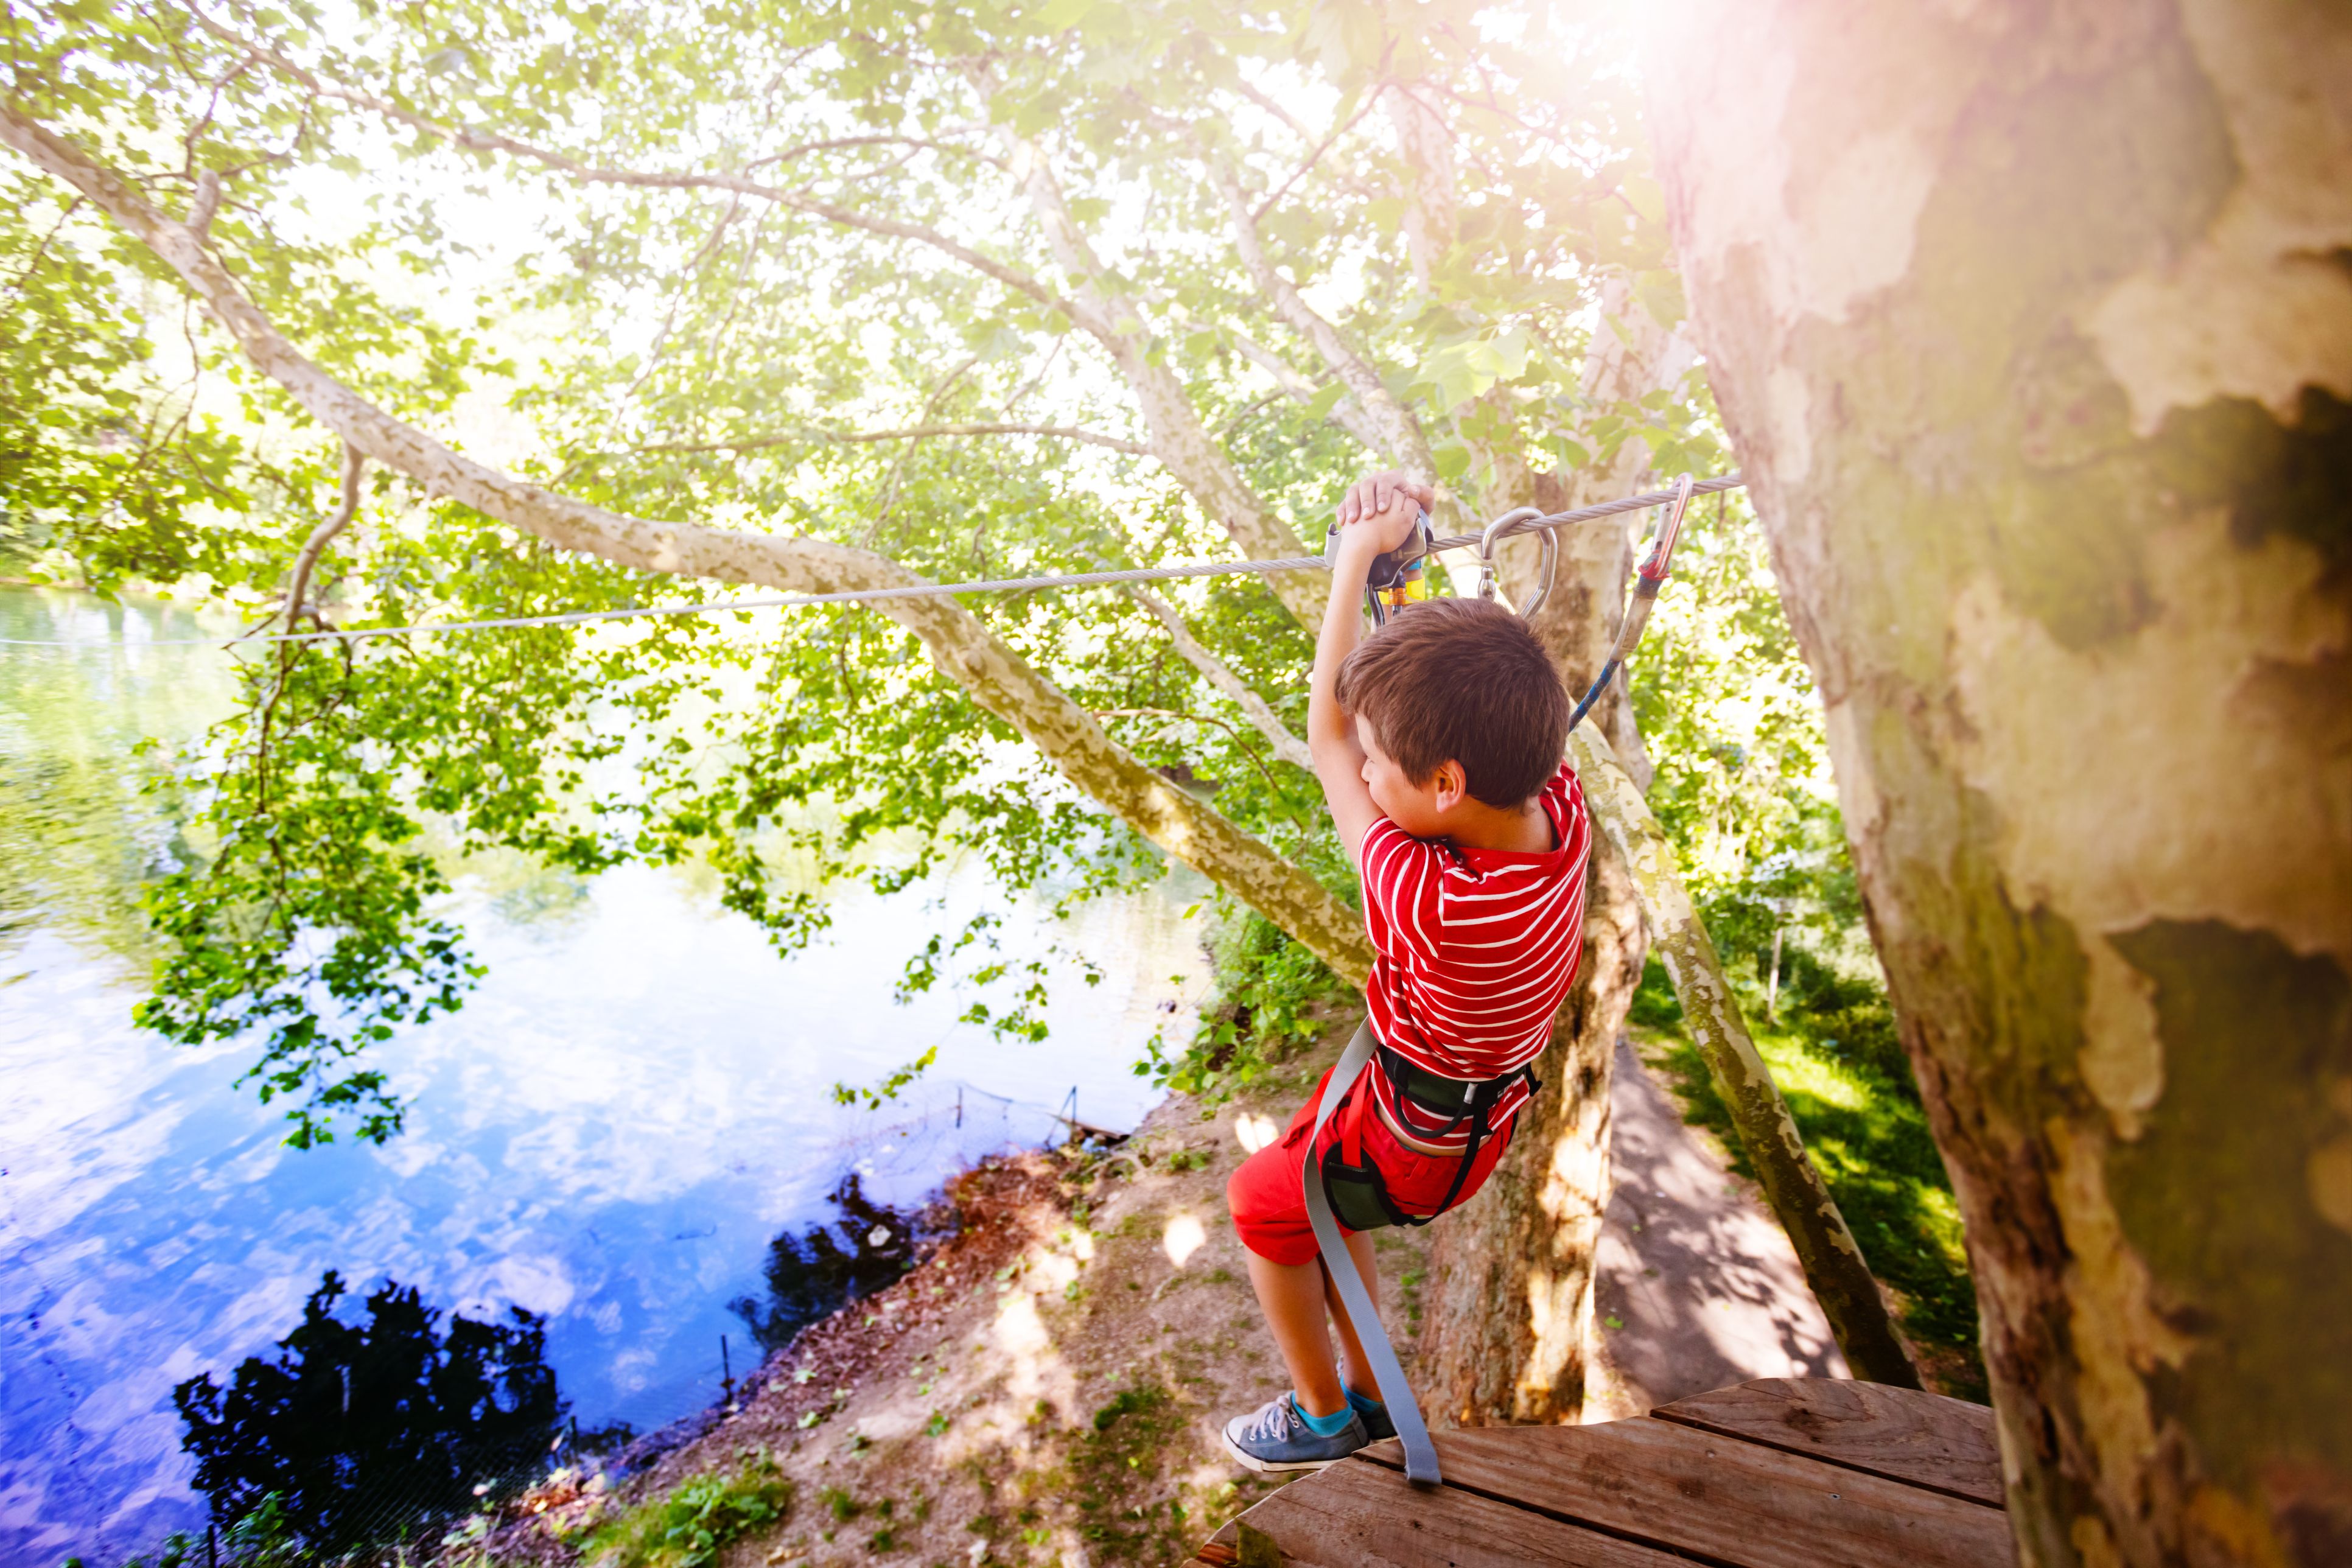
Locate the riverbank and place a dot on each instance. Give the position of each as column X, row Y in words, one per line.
column 590, row 1138
column 1048, row 1385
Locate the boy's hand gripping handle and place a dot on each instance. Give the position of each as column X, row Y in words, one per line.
column 1389, row 568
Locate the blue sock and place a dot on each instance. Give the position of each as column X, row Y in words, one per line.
column 1364, row 1404
column 1324, row 1425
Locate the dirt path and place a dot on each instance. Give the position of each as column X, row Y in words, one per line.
column 1698, row 1286
column 1049, row 1385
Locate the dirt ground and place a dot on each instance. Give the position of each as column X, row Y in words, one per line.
column 1048, row 1385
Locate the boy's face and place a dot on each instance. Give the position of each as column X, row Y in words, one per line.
column 1421, row 809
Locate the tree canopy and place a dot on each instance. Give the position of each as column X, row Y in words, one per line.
column 862, row 291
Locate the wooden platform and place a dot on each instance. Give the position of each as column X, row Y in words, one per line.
column 1780, row 1473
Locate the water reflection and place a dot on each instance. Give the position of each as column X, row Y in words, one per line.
column 367, row 1431
column 77, row 828
column 610, row 1135
column 812, row 1272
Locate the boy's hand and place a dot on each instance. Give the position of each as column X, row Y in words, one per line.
column 1375, row 517
column 1385, row 506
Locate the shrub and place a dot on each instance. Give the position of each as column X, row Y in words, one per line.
column 1273, row 996
column 688, row 1528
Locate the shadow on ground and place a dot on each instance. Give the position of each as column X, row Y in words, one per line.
column 1698, row 1287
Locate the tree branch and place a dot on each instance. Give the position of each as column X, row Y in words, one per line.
column 206, row 203
column 1400, row 433
column 836, row 142
column 1427, row 144
column 1220, row 675
column 298, row 581
column 959, row 644
column 1180, row 440
column 1273, row 786
column 1347, row 414
column 916, row 433
column 1313, row 158
column 889, row 492
column 1250, row 91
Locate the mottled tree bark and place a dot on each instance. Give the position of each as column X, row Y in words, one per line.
column 2033, row 327
column 1507, row 1306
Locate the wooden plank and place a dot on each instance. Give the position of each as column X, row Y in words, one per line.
column 1357, row 1515
column 1945, row 1445
column 1719, row 1498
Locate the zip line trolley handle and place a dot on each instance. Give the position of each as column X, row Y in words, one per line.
column 1396, row 577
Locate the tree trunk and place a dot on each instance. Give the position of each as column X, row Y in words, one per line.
column 2033, row 327
column 1508, row 1302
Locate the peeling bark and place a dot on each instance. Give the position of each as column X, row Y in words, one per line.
column 1826, row 1248
column 994, row 676
column 2034, row 329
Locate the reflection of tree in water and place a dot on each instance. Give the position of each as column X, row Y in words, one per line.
column 360, row 1429
column 814, row 1273
column 78, row 832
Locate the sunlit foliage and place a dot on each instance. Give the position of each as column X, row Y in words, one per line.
column 704, row 263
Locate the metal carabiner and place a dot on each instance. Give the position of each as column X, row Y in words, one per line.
column 1659, row 564
column 1651, row 576
column 1503, row 527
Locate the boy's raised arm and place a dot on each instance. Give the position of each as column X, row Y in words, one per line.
column 1376, row 515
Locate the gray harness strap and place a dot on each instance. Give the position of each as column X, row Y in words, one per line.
column 1419, row 1454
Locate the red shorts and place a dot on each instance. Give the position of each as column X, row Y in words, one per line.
column 1270, row 1210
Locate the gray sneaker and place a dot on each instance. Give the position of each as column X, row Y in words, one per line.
column 1376, row 1423
column 1275, row 1438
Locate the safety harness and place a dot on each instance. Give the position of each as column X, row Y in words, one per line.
column 1359, row 1194
column 1344, row 1187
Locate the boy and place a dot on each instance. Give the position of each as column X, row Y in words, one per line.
column 1438, row 743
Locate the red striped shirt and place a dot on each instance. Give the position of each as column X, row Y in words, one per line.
column 1476, row 950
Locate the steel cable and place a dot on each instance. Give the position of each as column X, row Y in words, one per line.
column 909, row 591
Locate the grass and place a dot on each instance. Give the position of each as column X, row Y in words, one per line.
column 1112, row 1466
column 1834, row 1057
column 689, row 1526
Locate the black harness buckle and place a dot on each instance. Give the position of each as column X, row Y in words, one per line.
column 1360, row 1197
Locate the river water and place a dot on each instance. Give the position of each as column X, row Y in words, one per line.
column 632, row 1104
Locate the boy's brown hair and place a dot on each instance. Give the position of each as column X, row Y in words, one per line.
column 1465, row 680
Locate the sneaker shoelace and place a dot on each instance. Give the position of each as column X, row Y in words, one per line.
column 1275, row 1421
